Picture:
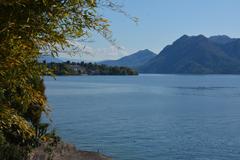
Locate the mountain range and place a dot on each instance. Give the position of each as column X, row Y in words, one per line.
column 135, row 60
column 188, row 55
column 197, row 55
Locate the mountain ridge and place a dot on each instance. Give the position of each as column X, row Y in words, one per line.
column 197, row 55
column 133, row 60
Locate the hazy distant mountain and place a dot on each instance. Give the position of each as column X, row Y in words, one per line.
column 49, row 59
column 232, row 49
column 136, row 59
column 221, row 39
column 197, row 55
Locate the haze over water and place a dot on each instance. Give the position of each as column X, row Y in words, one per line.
column 149, row 117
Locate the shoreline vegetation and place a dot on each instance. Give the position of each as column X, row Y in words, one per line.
column 82, row 68
column 28, row 30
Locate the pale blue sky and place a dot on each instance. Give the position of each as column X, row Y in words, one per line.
column 163, row 21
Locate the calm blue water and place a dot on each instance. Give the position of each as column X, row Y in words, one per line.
column 149, row 117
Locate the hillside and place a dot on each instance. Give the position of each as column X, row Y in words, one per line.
column 133, row 60
column 221, row 39
column 197, row 55
column 73, row 68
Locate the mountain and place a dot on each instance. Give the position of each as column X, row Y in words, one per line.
column 232, row 49
column 134, row 60
column 221, row 39
column 49, row 59
column 197, row 55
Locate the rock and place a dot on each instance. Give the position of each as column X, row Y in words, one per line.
column 63, row 151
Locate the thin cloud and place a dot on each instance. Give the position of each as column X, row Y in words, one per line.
column 83, row 52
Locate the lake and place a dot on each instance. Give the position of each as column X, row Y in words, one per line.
column 149, row 117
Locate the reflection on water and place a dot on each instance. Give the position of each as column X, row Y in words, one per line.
column 204, row 88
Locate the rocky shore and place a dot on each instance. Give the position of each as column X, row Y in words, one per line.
column 63, row 151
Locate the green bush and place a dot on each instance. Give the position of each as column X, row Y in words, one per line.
column 13, row 152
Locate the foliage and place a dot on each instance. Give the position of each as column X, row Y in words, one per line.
column 82, row 68
column 10, row 151
column 13, row 152
column 14, row 127
column 28, row 29
column 2, row 138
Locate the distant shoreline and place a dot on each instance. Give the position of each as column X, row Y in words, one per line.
column 72, row 68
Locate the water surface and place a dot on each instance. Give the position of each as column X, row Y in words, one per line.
column 149, row 117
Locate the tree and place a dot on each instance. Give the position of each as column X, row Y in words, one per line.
column 29, row 28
